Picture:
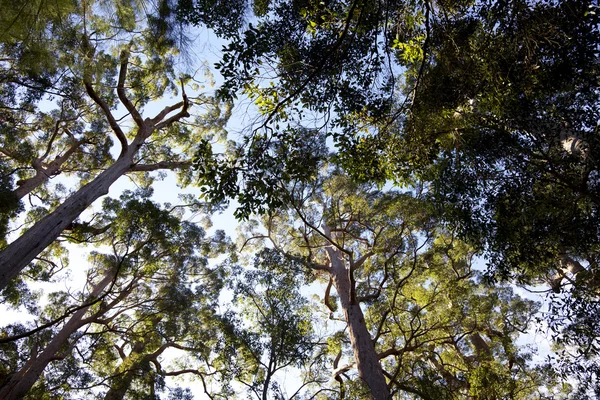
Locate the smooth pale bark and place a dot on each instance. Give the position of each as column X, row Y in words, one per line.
column 366, row 358
column 22, row 381
column 22, row 251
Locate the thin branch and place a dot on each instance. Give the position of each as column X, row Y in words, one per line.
column 67, row 313
column 319, row 67
column 51, row 141
column 358, row 263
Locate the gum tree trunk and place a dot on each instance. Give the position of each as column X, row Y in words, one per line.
column 22, row 251
column 365, row 356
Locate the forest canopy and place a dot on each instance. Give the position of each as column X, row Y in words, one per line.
column 404, row 175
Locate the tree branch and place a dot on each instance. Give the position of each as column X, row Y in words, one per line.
column 165, row 111
column 342, row 369
column 51, row 141
column 171, row 165
column 109, row 116
column 358, row 263
column 327, row 294
column 181, row 114
column 121, row 91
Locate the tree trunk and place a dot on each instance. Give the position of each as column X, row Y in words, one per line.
column 365, row 356
column 26, row 186
column 22, row 381
column 22, row 251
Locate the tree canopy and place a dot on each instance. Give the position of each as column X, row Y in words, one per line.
column 403, row 166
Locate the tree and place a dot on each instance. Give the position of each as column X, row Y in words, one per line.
column 492, row 106
column 504, row 125
column 488, row 108
column 146, row 302
column 504, row 133
column 382, row 252
column 331, row 62
column 145, row 73
column 279, row 334
column 518, row 75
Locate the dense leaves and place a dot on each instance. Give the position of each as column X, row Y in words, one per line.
column 157, row 289
column 391, row 143
column 438, row 330
column 490, row 106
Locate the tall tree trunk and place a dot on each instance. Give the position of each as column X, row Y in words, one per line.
column 22, row 381
column 365, row 356
column 22, row 251
column 19, row 253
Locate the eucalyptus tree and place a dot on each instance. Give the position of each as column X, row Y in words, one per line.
column 154, row 292
column 419, row 91
column 124, row 63
column 28, row 69
column 511, row 112
column 277, row 332
column 40, row 141
column 493, row 105
column 416, row 317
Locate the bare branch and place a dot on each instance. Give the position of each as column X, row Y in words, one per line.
column 342, row 370
column 181, row 114
column 165, row 111
column 358, row 263
column 51, row 141
column 327, row 294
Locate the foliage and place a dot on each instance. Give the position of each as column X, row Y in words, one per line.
column 494, row 135
column 279, row 333
column 261, row 163
column 118, row 57
column 162, row 293
column 490, row 106
column 439, row 330
column 487, row 110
